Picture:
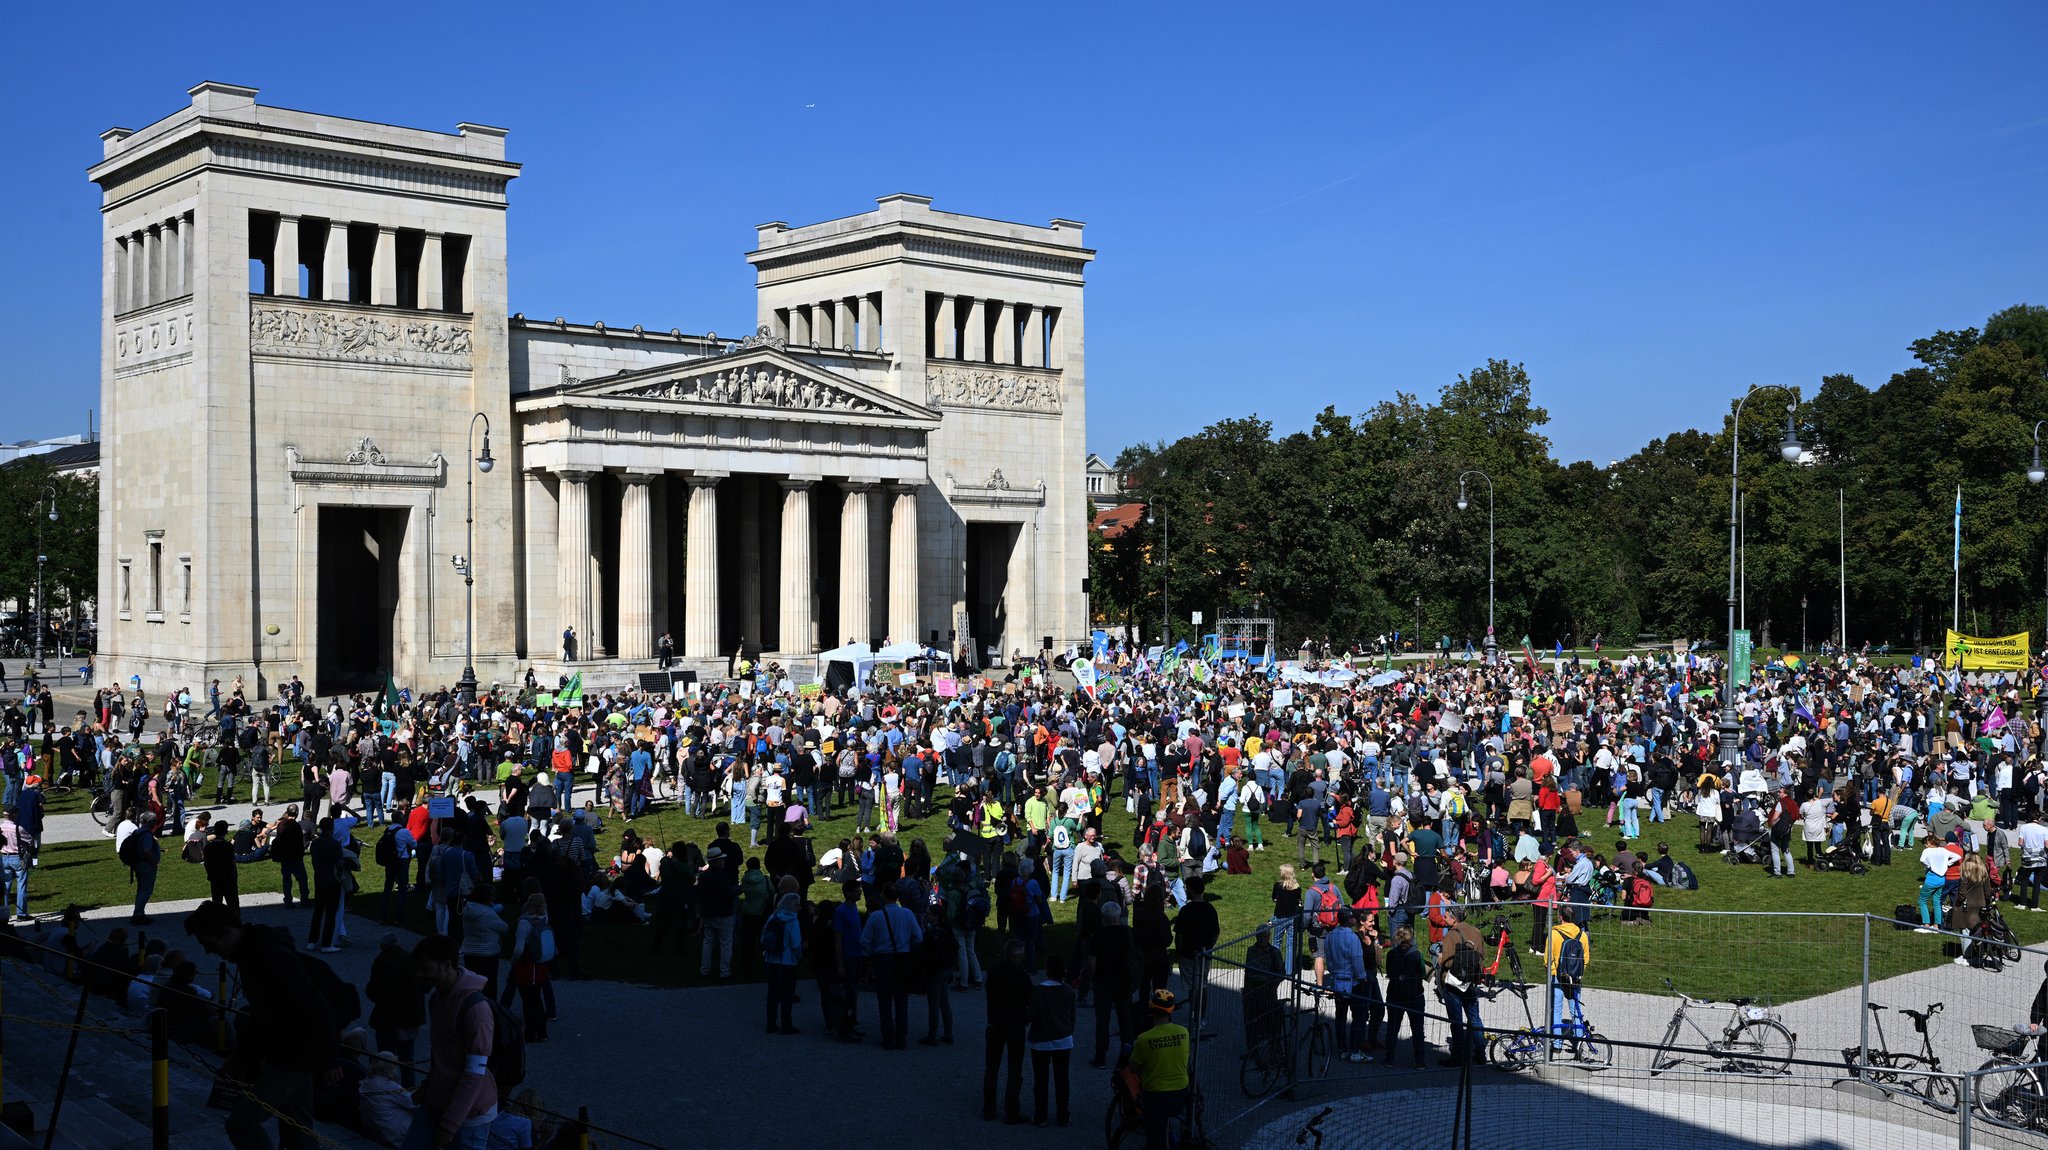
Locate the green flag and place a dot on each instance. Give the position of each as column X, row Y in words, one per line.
column 391, row 700
column 571, row 694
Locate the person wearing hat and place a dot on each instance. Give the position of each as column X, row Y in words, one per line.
column 1159, row 1057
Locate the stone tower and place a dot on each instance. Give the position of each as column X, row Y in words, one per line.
column 302, row 316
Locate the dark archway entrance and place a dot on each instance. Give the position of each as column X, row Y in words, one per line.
column 359, row 555
column 989, row 548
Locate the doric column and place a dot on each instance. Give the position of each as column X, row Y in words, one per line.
column 636, row 566
column 138, row 272
column 174, row 262
column 799, row 629
column 153, row 264
column 871, row 322
column 572, row 550
column 284, row 258
column 384, row 268
column 433, row 277
column 974, row 344
column 824, row 324
column 185, row 238
column 124, row 276
column 800, row 324
column 856, row 610
column 903, row 590
column 749, row 496
column 1034, row 336
column 700, row 561
column 1005, row 350
column 334, row 265
column 942, row 330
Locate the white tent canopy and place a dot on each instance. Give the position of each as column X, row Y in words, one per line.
column 858, row 657
column 905, row 652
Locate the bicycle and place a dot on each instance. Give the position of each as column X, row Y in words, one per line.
column 1265, row 1064
column 1755, row 1041
column 1571, row 1042
column 1319, row 1045
column 1124, row 1123
column 2009, row 1092
column 1879, row 1065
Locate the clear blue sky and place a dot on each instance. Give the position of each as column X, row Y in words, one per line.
column 1650, row 205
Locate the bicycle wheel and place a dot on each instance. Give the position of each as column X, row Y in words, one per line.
column 102, row 808
column 1939, row 1093
column 2002, row 1095
column 1317, row 1048
column 1123, row 1128
column 1761, row 1046
column 1589, row 1049
column 1259, row 1073
column 1511, row 1050
column 1658, row 1061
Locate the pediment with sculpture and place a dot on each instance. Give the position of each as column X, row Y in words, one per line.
column 758, row 379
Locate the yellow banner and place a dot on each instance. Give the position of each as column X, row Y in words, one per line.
column 1988, row 652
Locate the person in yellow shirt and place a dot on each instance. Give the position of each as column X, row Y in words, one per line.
column 1567, row 956
column 1159, row 1057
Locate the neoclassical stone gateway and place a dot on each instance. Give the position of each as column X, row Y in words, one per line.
column 304, row 315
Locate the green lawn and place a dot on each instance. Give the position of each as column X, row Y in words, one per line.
column 1808, row 952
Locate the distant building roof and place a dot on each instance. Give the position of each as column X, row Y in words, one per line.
column 1114, row 521
column 70, row 458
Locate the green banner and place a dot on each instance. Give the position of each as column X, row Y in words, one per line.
column 1739, row 647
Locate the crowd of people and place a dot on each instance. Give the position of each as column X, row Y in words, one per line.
column 1402, row 799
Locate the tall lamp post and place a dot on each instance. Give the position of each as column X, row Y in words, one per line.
column 1462, row 503
column 1802, row 623
column 43, row 612
column 1790, row 449
column 1417, row 641
column 1165, row 573
column 465, row 688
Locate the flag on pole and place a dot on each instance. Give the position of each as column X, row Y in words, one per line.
column 1957, row 561
column 391, row 700
column 571, row 694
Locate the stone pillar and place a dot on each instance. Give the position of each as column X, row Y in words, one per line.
column 572, row 554
column 152, row 264
column 1034, row 336
column 749, row 494
column 824, row 325
column 700, row 586
column 903, row 589
column 856, row 609
column 334, row 265
column 433, row 279
column 1019, row 591
column 1005, row 350
column 284, row 258
column 974, row 346
column 185, row 236
column 636, row 566
column 800, row 324
column 138, row 272
column 799, row 627
column 174, row 263
column 384, row 268
column 942, row 330
column 871, row 323
column 124, row 278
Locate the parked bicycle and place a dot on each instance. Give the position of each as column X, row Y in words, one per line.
column 1755, row 1040
column 1880, row 1065
column 2008, row 1091
column 1265, row 1065
column 1124, row 1124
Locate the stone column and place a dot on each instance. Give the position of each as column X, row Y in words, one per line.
column 572, row 559
column 185, row 235
column 824, row 324
column 974, row 346
column 284, row 258
column 1034, row 336
column 384, row 268
column 636, row 566
column 800, row 324
column 903, row 590
column 152, row 264
column 1005, row 350
column 871, row 323
column 174, row 263
column 942, row 330
column 700, row 561
column 124, row 277
column 138, row 272
column 432, row 275
column 334, row 265
column 799, row 628
column 856, row 610
column 749, row 494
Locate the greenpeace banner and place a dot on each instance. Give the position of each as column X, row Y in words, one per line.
column 1987, row 652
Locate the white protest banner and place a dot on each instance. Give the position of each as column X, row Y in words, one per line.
column 1283, row 698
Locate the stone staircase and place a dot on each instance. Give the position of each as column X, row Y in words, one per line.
column 107, row 1106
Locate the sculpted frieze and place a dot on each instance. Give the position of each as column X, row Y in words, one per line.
column 759, row 387
column 316, row 333
column 994, row 389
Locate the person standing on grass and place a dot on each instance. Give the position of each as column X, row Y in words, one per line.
column 13, row 865
column 484, row 932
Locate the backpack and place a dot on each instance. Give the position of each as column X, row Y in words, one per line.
column 540, row 945
column 1466, row 965
column 508, row 1044
column 341, row 995
column 974, row 909
column 1014, row 899
column 131, row 848
column 387, row 848
column 1198, row 844
column 1062, row 837
column 1324, row 908
column 1571, row 960
column 1682, row 876
column 1640, row 891
column 774, row 937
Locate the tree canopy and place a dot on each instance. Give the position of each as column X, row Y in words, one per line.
column 1337, row 529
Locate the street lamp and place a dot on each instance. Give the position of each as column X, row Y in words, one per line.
column 1165, row 573
column 1462, row 504
column 1790, row 449
column 42, row 612
column 1802, row 624
column 1418, row 624
column 2035, row 474
column 466, row 687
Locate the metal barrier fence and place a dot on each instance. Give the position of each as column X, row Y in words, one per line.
column 1700, row 1028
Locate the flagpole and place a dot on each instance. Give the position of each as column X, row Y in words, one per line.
column 1956, row 614
column 1842, row 564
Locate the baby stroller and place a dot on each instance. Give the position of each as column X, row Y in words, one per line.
column 1748, row 840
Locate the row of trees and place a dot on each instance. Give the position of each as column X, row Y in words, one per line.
column 1337, row 530
column 70, row 542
